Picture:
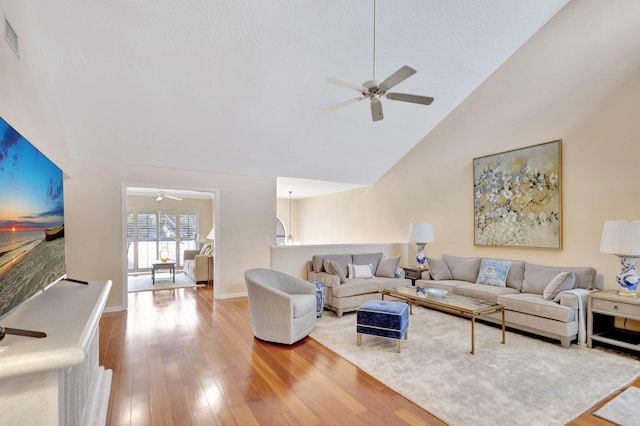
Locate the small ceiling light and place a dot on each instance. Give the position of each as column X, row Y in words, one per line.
column 290, row 239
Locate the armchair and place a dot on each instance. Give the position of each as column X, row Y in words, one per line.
column 282, row 307
column 198, row 264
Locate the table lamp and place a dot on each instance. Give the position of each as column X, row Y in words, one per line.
column 212, row 234
column 622, row 238
column 164, row 254
column 421, row 234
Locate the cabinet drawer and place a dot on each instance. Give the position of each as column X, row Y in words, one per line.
column 412, row 274
column 616, row 307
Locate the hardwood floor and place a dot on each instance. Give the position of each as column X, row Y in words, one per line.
column 179, row 358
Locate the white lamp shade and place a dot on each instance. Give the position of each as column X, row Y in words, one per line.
column 211, row 235
column 421, row 233
column 621, row 237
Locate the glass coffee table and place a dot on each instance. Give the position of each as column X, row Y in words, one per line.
column 466, row 307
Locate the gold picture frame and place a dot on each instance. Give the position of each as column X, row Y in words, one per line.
column 518, row 197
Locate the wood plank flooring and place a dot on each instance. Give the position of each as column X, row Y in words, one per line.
column 179, row 358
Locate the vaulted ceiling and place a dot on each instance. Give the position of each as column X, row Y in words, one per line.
column 239, row 86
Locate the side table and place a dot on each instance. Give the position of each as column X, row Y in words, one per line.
column 603, row 309
column 159, row 264
column 414, row 273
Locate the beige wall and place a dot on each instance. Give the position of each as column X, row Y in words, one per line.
column 94, row 210
column 577, row 80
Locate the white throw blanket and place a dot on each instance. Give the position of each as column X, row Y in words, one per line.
column 582, row 296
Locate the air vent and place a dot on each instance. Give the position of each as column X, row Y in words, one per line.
column 11, row 36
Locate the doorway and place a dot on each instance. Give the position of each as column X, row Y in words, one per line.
column 162, row 226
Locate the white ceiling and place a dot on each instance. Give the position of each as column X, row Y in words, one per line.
column 238, row 86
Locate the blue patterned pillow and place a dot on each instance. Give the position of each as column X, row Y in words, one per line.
column 493, row 272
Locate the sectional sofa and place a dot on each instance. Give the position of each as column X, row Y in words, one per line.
column 545, row 300
column 345, row 291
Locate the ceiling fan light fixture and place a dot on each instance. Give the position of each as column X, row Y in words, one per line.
column 374, row 89
column 162, row 195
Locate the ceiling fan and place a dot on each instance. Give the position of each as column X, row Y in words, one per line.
column 374, row 90
column 162, row 195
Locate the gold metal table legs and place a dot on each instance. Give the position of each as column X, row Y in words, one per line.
column 473, row 335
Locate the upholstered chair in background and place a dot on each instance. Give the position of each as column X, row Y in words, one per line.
column 282, row 307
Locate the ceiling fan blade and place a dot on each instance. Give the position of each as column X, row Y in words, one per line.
column 405, row 97
column 397, row 77
column 343, row 83
column 376, row 110
column 174, row 198
column 342, row 104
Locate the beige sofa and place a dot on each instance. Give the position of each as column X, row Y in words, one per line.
column 546, row 300
column 198, row 264
column 344, row 293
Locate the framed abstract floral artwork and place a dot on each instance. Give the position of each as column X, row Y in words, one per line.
column 518, row 198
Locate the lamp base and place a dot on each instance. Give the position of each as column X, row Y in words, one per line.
column 627, row 279
column 420, row 257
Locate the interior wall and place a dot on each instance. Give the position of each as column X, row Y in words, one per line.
column 96, row 243
column 578, row 80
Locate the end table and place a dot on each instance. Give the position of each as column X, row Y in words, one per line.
column 167, row 264
column 414, row 273
column 604, row 308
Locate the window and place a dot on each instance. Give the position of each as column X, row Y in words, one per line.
column 281, row 233
column 149, row 232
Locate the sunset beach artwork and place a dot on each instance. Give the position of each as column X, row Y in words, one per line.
column 31, row 208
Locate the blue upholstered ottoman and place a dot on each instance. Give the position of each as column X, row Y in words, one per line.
column 383, row 318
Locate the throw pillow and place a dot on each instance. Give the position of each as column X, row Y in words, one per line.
column 493, row 272
column 536, row 277
column 387, row 266
column 332, row 267
column 562, row 281
column 463, row 268
column 360, row 271
column 439, row 269
column 368, row 258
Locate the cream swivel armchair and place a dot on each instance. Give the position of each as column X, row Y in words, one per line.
column 282, row 307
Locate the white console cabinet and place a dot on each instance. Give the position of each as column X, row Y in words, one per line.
column 56, row 380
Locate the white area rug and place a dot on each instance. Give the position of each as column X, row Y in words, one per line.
column 527, row 381
column 624, row 409
column 164, row 281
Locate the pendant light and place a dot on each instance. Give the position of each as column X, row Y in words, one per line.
column 290, row 239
